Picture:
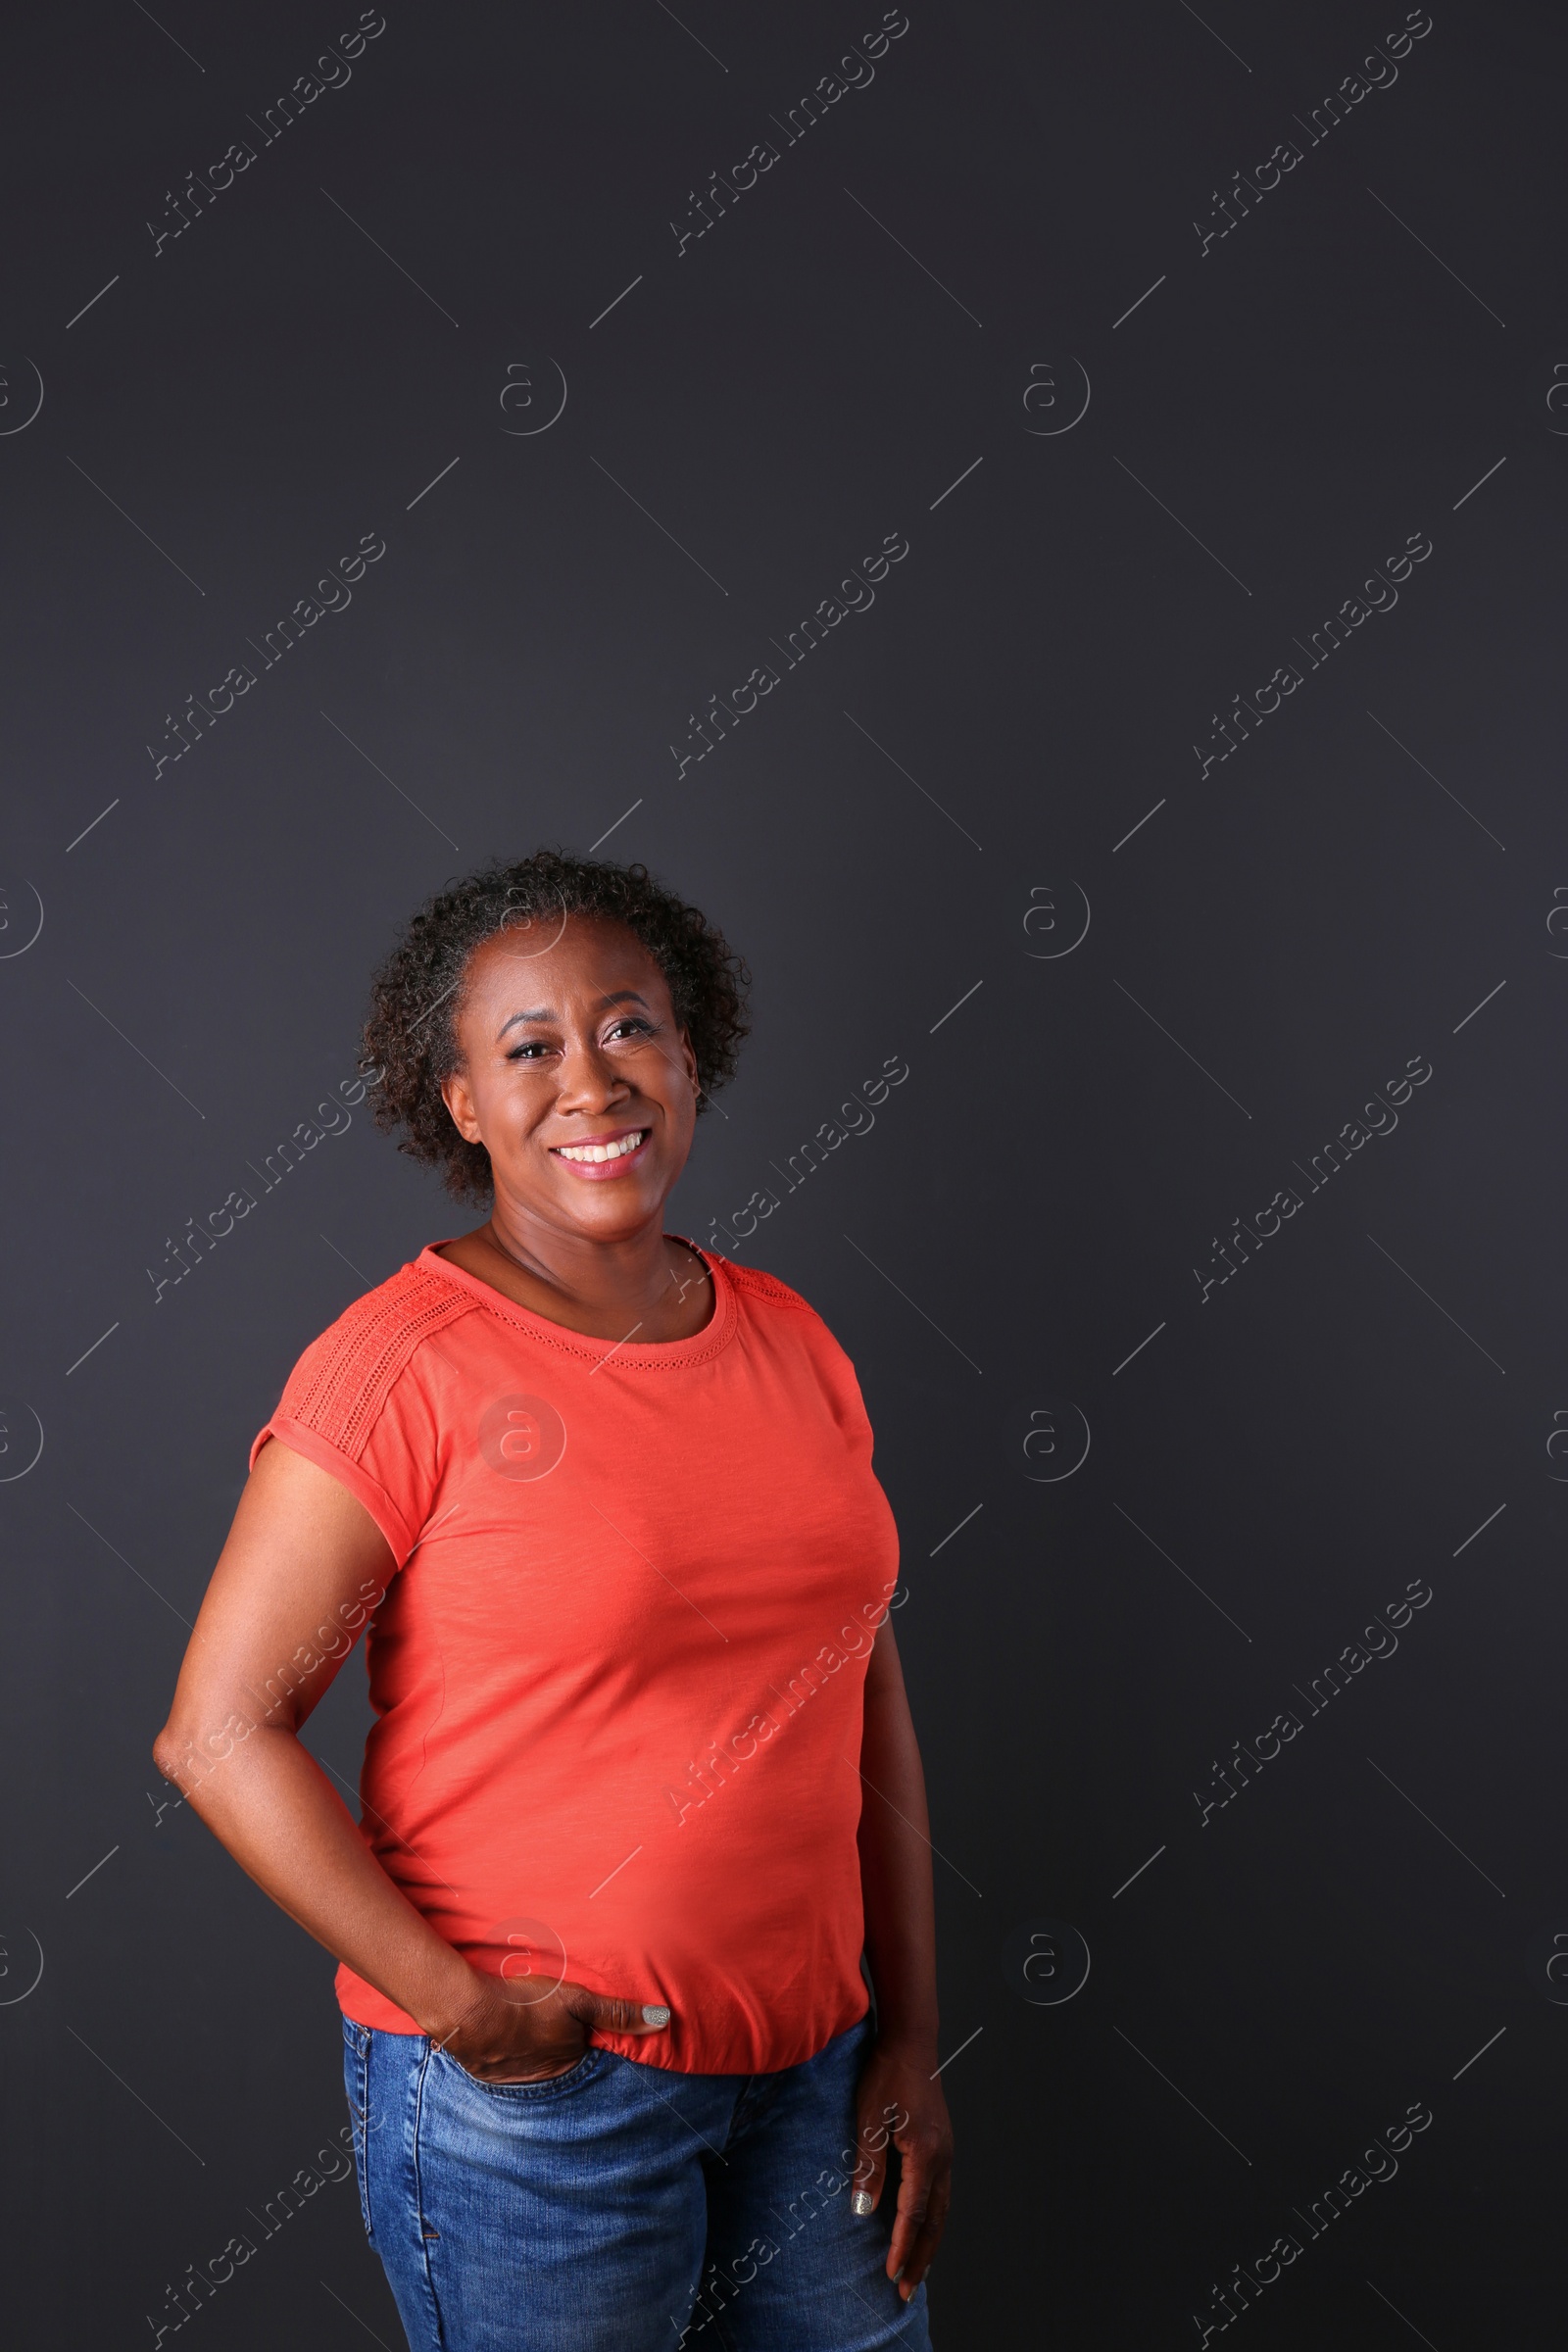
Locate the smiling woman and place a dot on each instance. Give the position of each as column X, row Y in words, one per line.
column 610, row 1490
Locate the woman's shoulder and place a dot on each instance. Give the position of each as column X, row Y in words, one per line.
column 347, row 1371
column 764, row 1290
column 782, row 1317
column 798, row 1338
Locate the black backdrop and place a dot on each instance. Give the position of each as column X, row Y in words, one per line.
column 1215, row 380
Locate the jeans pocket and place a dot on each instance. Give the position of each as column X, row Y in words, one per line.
column 357, row 2083
column 548, row 2086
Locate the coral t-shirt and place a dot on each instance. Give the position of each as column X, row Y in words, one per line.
column 618, row 1673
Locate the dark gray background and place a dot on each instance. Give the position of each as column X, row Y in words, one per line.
column 1275, row 417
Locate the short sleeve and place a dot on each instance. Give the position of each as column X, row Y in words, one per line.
column 355, row 1405
column 834, row 1368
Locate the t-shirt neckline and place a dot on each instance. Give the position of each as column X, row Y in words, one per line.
column 632, row 1355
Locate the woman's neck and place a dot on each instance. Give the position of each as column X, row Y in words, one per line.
column 650, row 1285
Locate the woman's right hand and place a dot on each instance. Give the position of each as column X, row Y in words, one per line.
column 508, row 2037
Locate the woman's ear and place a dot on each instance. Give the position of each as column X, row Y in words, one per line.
column 458, row 1100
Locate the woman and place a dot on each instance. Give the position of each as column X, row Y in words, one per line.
column 642, row 1784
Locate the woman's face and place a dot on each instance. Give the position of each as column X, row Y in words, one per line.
column 575, row 1076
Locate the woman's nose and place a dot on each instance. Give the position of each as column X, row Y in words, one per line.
column 587, row 1074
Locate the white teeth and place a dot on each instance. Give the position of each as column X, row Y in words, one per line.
column 599, row 1152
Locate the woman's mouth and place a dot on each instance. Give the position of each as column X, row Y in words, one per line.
column 603, row 1155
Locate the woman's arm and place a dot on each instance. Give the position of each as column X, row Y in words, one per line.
column 304, row 1565
column 898, row 2095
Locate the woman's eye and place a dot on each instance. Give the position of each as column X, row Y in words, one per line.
column 535, row 1046
column 632, row 1026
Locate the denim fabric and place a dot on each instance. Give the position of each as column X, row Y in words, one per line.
column 621, row 2207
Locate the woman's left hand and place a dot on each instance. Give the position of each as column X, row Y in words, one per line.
column 899, row 2098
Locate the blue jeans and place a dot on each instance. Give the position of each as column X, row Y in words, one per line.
column 621, row 2207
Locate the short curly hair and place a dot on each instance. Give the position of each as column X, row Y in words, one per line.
column 410, row 1042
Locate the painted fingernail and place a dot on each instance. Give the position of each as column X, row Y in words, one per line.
column 654, row 2014
column 862, row 2202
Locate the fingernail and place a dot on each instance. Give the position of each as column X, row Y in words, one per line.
column 654, row 2014
column 862, row 2202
